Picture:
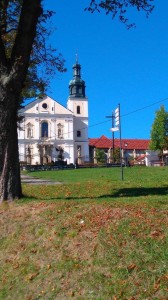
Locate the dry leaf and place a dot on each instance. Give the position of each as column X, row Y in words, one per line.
column 131, row 267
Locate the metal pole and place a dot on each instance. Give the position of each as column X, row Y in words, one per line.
column 112, row 118
column 122, row 175
column 113, row 135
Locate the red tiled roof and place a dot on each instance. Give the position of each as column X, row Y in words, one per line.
column 92, row 141
column 102, row 142
column 105, row 143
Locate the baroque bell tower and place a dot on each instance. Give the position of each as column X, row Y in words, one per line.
column 78, row 104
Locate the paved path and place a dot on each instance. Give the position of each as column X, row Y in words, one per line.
column 32, row 180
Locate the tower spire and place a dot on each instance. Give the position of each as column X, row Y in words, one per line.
column 77, row 85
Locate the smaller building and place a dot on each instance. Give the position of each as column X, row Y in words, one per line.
column 152, row 158
column 132, row 149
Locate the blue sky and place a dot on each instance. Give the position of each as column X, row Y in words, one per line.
column 123, row 66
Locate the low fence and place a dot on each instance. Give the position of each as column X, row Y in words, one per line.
column 32, row 168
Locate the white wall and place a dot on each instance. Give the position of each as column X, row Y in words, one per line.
column 54, row 114
column 151, row 158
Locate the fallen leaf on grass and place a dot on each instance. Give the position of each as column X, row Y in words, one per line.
column 48, row 267
column 156, row 287
column 33, row 250
column 77, row 244
column 15, row 266
column 32, row 276
column 156, row 233
column 164, row 277
column 131, row 267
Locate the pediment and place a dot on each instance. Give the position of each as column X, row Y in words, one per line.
column 45, row 105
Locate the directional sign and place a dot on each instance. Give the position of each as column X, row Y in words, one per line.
column 117, row 116
column 114, row 129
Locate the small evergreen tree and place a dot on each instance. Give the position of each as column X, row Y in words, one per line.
column 117, row 155
column 159, row 131
column 101, row 156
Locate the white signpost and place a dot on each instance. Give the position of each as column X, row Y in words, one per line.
column 117, row 127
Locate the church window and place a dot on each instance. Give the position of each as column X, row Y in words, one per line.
column 78, row 109
column 80, row 90
column 29, row 132
column 44, row 105
column 76, row 72
column 59, row 132
column 78, row 133
column 44, row 129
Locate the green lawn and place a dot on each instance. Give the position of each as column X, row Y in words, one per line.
column 133, row 174
column 92, row 237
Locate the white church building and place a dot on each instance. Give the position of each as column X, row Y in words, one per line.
column 50, row 132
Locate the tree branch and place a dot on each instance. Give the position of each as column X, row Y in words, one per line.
column 120, row 8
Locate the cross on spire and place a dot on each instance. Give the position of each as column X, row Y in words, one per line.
column 76, row 57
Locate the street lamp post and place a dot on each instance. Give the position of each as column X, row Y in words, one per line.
column 112, row 118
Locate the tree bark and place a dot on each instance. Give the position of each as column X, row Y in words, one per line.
column 13, row 72
column 10, row 183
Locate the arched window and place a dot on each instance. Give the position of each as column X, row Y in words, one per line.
column 44, row 129
column 29, row 132
column 78, row 109
column 59, row 132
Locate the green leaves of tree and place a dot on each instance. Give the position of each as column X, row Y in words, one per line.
column 45, row 61
column 159, row 131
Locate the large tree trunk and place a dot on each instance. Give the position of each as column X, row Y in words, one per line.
column 10, row 184
column 13, row 72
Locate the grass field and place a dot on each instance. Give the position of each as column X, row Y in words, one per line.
column 92, row 237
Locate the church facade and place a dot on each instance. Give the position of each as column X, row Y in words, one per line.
column 50, row 132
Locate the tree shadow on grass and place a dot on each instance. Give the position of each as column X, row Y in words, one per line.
column 119, row 193
column 26, row 198
column 137, row 192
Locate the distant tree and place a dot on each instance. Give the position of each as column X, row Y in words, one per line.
column 101, row 156
column 20, row 33
column 159, row 131
column 117, row 155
